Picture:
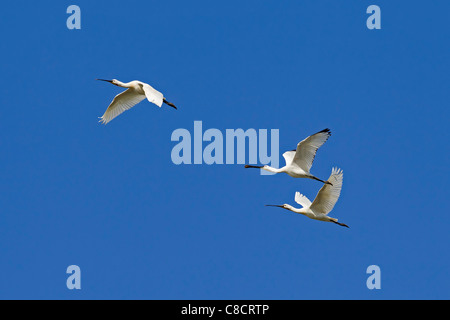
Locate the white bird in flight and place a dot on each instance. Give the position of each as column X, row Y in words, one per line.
column 324, row 202
column 299, row 161
column 135, row 93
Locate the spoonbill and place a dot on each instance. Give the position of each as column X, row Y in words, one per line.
column 324, row 201
column 300, row 160
column 135, row 93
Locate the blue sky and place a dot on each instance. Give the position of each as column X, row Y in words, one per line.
column 110, row 200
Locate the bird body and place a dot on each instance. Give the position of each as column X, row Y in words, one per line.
column 135, row 93
column 310, row 213
column 323, row 203
column 300, row 160
column 292, row 170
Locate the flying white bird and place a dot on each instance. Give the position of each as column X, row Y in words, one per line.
column 324, row 202
column 299, row 161
column 135, row 93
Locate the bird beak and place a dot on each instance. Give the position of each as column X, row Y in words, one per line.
column 110, row 81
column 257, row 167
column 274, row 205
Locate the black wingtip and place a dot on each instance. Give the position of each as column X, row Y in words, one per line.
column 325, row 130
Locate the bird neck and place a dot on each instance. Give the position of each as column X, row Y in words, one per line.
column 296, row 210
column 274, row 170
column 122, row 84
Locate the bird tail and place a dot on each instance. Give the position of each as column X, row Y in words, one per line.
column 169, row 103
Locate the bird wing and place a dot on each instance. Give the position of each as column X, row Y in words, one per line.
column 154, row 96
column 122, row 102
column 302, row 200
column 306, row 149
column 329, row 194
column 289, row 156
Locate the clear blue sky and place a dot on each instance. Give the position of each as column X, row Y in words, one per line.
column 110, row 200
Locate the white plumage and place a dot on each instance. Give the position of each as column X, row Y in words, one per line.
column 135, row 93
column 328, row 195
column 300, row 160
column 323, row 203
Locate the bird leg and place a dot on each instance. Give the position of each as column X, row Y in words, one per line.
column 169, row 103
column 341, row 224
column 327, row 182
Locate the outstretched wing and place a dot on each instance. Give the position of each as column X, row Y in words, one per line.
column 302, row 200
column 329, row 194
column 154, row 96
column 122, row 102
column 306, row 149
column 289, row 156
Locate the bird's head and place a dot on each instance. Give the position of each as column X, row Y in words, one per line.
column 283, row 206
column 257, row 167
column 113, row 81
